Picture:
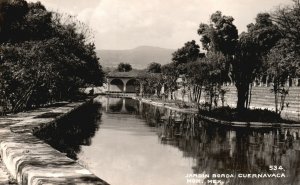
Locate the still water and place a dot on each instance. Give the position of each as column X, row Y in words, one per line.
column 126, row 142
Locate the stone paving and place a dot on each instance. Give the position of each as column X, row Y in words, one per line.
column 31, row 161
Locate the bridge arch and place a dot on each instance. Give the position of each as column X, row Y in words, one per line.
column 132, row 86
column 116, row 85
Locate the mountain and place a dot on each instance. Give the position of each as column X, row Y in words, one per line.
column 139, row 57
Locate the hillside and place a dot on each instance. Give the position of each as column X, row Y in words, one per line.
column 138, row 57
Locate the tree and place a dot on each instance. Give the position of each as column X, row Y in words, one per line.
column 217, row 73
column 220, row 40
column 220, row 36
column 170, row 75
column 47, row 60
column 124, row 67
column 207, row 75
column 188, row 53
column 288, row 20
column 154, row 68
column 251, row 49
column 282, row 63
column 151, row 83
column 197, row 73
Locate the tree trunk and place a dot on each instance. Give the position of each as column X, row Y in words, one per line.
column 242, row 95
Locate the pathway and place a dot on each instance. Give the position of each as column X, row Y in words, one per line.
column 29, row 159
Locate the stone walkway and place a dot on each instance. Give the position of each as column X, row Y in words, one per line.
column 4, row 175
column 31, row 161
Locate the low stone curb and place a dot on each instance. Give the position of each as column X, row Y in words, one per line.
column 31, row 161
column 218, row 121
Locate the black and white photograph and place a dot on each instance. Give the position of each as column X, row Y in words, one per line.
column 149, row 92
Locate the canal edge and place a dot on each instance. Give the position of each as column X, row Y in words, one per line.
column 31, row 161
column 219, row 121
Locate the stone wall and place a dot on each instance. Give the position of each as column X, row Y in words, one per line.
column 263, row 98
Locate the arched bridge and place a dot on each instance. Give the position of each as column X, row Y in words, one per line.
column 123, row 82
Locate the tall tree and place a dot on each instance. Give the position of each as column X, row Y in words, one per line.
column 220, row 36
column 251, row 49
column 220, row 40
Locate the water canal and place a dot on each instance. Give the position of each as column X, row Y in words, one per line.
column 126, row 142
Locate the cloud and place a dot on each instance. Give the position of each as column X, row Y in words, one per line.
column 121, row 24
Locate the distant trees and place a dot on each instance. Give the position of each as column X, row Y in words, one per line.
column 154, row 68
column 170, row 75
column 151, row 83
column 45, row 57
column 124, row 67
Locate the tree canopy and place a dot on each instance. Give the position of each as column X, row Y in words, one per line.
column 154, row 68
column 219, row 36
column 44, row 58
column 124, row 67
column 188, row 53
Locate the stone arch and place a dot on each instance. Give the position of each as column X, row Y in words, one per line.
column 116, row 85
column 132, row 86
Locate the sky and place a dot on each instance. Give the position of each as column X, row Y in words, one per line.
column 126, row 24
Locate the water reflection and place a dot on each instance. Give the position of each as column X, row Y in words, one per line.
column 69, row 133
column 130, row 154
column 121, row 105
column 223, row 150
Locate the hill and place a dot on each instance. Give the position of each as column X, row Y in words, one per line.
column 139, row 57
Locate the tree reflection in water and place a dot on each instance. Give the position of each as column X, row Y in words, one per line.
column 223, row 150
column 214, row 149
column 70, row 132
column 117, row 106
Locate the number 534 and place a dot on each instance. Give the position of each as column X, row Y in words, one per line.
column 275, row 167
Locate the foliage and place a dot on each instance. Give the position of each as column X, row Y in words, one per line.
column 169, row 75
column 282, row 63
column 124, row 67
column 43, row 59
column 217, row 75
column 255, row 115
column 190, row 52
column 219, row 39
column 220, row 36
column 251, row 49
column 288, row 20
column 154, row 68
column 207, row 74
column 151, row 82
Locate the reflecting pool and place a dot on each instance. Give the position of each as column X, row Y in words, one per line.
column 126, row 142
